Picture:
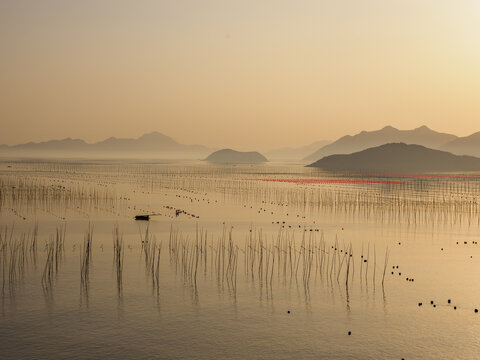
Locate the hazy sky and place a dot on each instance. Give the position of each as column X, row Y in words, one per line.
column 247, row 74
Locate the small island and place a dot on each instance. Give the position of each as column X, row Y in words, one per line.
column 399, row 157
column 229, row 156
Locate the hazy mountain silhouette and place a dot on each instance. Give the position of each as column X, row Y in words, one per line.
column 400, row 157
column 68, row 143
column 152, row 144
column 229, row 156
column 468, row 145
column 295, row 154
column 367, row 139
column 154, row 141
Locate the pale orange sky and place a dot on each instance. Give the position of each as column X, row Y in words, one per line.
column 243, row 74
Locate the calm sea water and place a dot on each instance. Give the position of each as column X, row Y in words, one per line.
column 255, row 265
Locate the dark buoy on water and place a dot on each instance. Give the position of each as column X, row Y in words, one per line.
column 349, row 333
column 449, row 301
column 288, row 312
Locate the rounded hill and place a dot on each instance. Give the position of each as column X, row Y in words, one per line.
column 229, row 156
column 400, row 157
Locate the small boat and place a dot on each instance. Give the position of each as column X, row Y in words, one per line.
column 142, row 217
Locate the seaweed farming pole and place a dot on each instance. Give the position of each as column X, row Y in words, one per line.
column 385, row 265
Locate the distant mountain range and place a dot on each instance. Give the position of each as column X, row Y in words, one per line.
column 229, row 156
column 152, row 144
column 295, row 154
column 367, row 139
column 157, row 145
column 400, row 157
column 468, row 145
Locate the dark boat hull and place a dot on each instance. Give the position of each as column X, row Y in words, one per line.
column 142, row 217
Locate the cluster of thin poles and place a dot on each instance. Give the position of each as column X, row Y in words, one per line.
column 409, row 200
column 193, row 257
column 15, row 255
column 118, row 257
column 264, row 260
column 55, row 250
column 25, row 195
column 85, row 261
column 152, row 253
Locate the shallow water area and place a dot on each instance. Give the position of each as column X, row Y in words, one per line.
column 267, row 261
